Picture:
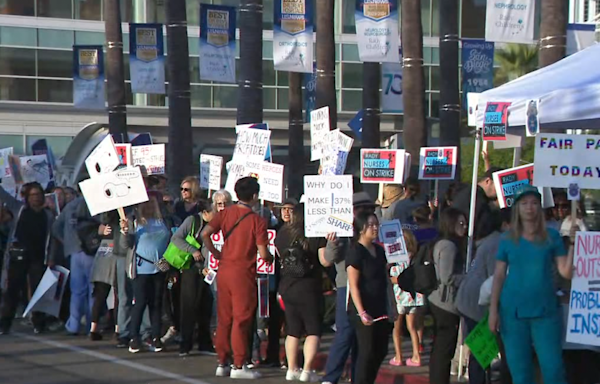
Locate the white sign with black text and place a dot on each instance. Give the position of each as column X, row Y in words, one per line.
column 328, row 207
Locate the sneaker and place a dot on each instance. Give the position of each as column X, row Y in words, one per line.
column 157, row 345
column 170, row 335
column 56, row 326
column 244, row 373
column 223, row 371
column 293, row 375
column 95, row 336
column 134, row 346
column 184, row 353
column 122, row 342
column 309, row 377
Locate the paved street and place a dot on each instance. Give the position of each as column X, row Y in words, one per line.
column 60, row 359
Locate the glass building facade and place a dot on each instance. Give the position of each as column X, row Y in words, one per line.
column 36, row 39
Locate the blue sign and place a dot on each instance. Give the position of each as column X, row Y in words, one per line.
column 356, row 124
column 146, row 58
column 310, row 92
column 293, row 36
column 477, row 67
column 88, row 77
column 217, row 43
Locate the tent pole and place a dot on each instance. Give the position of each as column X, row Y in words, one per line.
column 517, row 157
column 476, row 155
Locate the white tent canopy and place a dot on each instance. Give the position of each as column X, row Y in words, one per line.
column 568, row 92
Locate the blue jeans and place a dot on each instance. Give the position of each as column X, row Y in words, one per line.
column 81, row 291
column 344, row 342
column 125, row 291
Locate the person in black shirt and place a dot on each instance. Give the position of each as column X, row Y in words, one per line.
column 366, row 265
column 301, row 291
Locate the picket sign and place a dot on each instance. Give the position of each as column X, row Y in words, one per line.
column 437, row 163
column 103, row 159
column 392, row 238
column 4, row 164
column 124, row 153
column 211, row 168
column 384, row 166
column 251, row 144
column 150, row 157
column 319, row 129
column 495, row 121
column 269, row 176
column 328, row 207
column 261, row 266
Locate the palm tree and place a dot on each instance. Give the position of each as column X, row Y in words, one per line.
column 296, row 136
column 115, row 71
column 326, row 95
column 415, row 128
column 250, row 98
column 553, row 31
column 179, row 156
column 515, row 60
column 449, row 93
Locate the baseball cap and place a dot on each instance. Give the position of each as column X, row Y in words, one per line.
column 527, row 190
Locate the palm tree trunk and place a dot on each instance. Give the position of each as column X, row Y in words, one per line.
column 553, row 31
column 115, row 71
column 326, row 93
column 371, row 135
column 250, row 98
column 179, row 154
column 413, row 81
column 449, row 92
column 296, row 137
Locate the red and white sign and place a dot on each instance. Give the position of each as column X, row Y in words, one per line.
column 384, row 166
column 509, row 181
column 261, row 266
column 124, row 152
column 437, row 163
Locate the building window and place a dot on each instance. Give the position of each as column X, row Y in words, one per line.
column 350, row 52
column 225, row 97
column 54, row 38
column 268, row 72
column 283, row 98
column 88, row 9
column 351, row 100
column 201, row 96
column 55, row 8
column 473, row 13
column 17, row 62
column 55, row 63
column 269, row 98
column 18, row 36
column 17, row 7
column 90, row 38
column 13, row 88
column 14, row 141
column 283, row 78
column 55, row 91
column 352, row 75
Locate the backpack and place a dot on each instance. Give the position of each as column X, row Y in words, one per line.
column 420, row 276
column 295, row 261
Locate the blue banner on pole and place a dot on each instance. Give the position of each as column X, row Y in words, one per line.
column 217, row 43
column 88, row 77
column 146, row 58
column 377, row 30
column 293, row 36
column 477, row 67
column 356, row 124
column 310, row 92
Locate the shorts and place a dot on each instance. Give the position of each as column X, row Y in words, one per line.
column 402, row 310
column 303, row 317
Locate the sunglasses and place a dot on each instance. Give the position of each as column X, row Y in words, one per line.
column 185, row 189
column 221, row 204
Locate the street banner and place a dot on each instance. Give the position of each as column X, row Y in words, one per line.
column 483, row 343
column 293, row 36
column 377, row 30
column 268, row 155
column 251, row 144
column 356, row 124
column 384, row 166
column 310, row 94
column 561, row 160
column 510, row 21
column 151, row 157
column 217, row 43
column 392, row 238
column 319, row 129
column 147, row 58
column 103, row 159
column 392, row 101
column 509, row 181
column 584, row 310
column 110, row 191
column 35, row 169
column 495, row 121
column 477, row 68
column 124, row 153
column 328, row 207
column 269, row 176
column 88, row 77
column 215, row 168
column 261, row 266
column 5, row 153
column 437, row 163
column 48, row 295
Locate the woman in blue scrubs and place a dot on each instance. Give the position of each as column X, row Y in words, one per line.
column 524, row 305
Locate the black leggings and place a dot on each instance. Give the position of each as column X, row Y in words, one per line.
column 19, row 273
column 147, row 291
column 101, row 291
column 196, row 308
column 372, row 348
column 444, row 344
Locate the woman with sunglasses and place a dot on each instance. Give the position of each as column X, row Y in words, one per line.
column 189, row 203
column 448, row 256
column 221, row 200
column 366, row 265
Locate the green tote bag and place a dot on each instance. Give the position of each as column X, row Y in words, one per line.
column 181, row 259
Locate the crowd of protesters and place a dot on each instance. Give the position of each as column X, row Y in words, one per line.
column 157, row 306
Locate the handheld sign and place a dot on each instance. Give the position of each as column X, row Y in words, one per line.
column 328, row 207
column 152, row 157
column 251, row 144
column 336, row 148
column 103, row 159
column 383, row 166
column 495, row 121
column 124, row 152
column 437, row 163
column 4, row 165
column 509, row 181
column 390, row 235
column 261, row 266
column 204, row 175
column 215, row 165
column 319, row 128
column 269, row 176
column 483, row 343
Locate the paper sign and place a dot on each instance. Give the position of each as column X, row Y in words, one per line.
column 509, row 181
column 261, row 266
column 319, row 128
column 472, row 102
column 269, row 175
column 483, row 343
column 9, row 185
column 328, row 207
column 251, row 144
column 114, row 190
column 151, row 157
column 382, row 166
column 103, row 159
column 210, row 277
column 584, row 308
column 390, row 235
column 49, row 292
column 532, row 125
column 215, row 165
column 334, row 163
column 4, row 164
column 561, row 160
column 124, row 153
column 495, row 121
column 35, row 169
column 204, row 175
column 437, row 163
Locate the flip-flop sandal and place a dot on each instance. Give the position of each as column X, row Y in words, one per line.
column 412, row 363
column 395, row 363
